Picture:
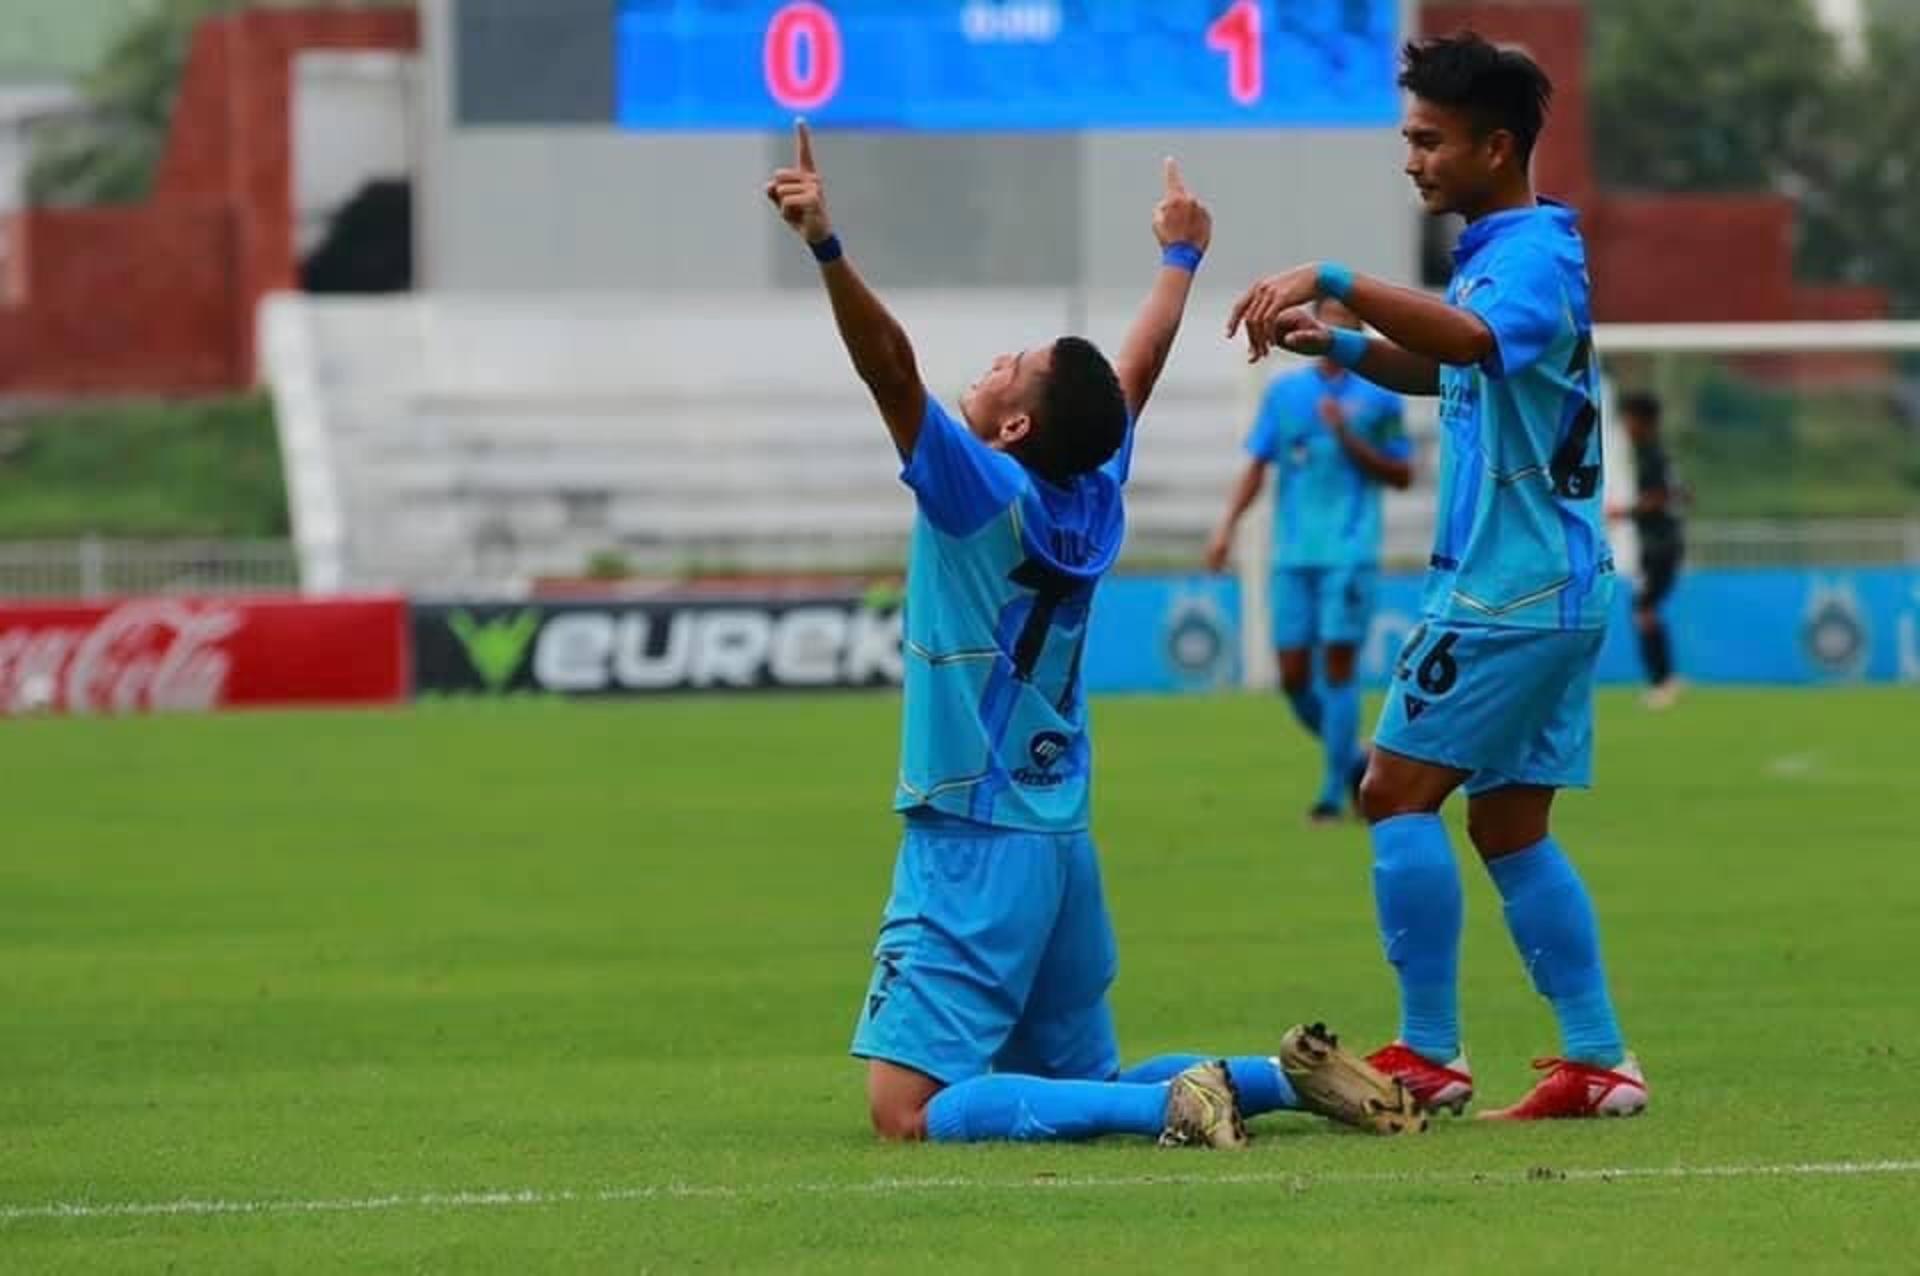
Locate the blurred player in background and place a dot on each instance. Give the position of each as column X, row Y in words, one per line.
column 1334, row 438
column 1656, row 519
column 1494, row 691
column 986, row 1016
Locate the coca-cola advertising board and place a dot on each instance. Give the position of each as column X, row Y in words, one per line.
column 144, row 655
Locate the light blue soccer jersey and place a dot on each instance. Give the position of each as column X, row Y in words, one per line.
column 1520, row 538
column 1000, row 581
column 1326, row 509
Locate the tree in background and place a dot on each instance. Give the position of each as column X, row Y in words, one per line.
column 1731, row 95
column 1710, row 95
column 109, row 152
column 1864, row 228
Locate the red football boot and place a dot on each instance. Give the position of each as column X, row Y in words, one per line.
column 1579, row 1090
column 1435, row 1087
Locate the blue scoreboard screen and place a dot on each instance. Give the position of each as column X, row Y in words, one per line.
column 1005, row 65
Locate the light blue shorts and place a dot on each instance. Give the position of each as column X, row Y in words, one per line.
column 1512, row 706
column 1329, row 606
column 995, row 954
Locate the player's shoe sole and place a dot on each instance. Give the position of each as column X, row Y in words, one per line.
column 1343, row 1087
column 1203, row 1109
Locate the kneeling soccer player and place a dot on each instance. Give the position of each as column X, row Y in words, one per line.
column 987, row 1014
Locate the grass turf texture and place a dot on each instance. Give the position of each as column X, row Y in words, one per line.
column 573, row 948
column 165, row 468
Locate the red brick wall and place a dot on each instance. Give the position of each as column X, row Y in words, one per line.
column 198, row 161
column 124, row 300
column 1839, row 301
column 265, row 43
column 161, row 297
column 1692, row 258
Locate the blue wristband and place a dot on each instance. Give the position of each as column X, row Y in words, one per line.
column 828, row 250
column 1181, row 256
column 1335, row 280
column 1348, row 348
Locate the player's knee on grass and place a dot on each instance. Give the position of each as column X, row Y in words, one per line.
column 1646, row 619
column 897, row 1101
column 1296, row 669
column 1508, row 820
column 1341, row 659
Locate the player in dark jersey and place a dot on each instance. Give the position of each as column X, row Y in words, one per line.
column 1656, row 519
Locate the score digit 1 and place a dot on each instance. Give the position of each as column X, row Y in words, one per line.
column 1237, row 33
column 802, row 56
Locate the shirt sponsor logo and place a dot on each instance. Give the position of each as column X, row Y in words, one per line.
column 1046, row 749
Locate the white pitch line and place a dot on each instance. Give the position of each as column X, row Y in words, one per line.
column 1045, row 1182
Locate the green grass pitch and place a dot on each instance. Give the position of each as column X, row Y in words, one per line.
column 524, row 986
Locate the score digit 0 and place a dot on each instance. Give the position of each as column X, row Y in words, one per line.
column 802, row 56
column 1237, row 33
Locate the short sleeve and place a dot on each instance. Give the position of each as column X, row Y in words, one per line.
column 1522, row 300
column 1263, row 441
column 960, row 482
column 1119, row 466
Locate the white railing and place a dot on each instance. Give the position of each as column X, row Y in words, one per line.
column 1784, row 542
column 99, row 568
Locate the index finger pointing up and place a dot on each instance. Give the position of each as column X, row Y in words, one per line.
column 803, row 146
column 1175, row 184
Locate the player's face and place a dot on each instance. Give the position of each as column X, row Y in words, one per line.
column 999, row 407
column 1451, row 164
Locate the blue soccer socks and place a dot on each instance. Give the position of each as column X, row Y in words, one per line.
column 1262, row 1086
column 1306, row 707
column 1339, row 741
column 1416, row 894
column 1007, row 1106
column 1550, row 916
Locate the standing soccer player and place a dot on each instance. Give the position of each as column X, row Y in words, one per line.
column 1334, row 438
column 986, row 1016
column 1656, row 520
column 1494, row 692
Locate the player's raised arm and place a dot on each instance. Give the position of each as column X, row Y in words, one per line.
column 1184, row 228
column 877, row 343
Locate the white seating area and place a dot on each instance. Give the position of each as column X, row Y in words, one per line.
column 469, row 444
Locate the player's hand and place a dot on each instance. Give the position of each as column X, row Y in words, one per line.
column 1219, row 545
column 1260, row 307
column 798, row 191
column 1179, row 217
column 1298, row 332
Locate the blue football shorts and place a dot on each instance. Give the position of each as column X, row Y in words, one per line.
column 995, row 954
column 1511, row 706
column 1322, row 605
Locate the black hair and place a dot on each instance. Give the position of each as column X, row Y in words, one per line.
column 1641, row 404
column 1082, row 417
column 1498, row 88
